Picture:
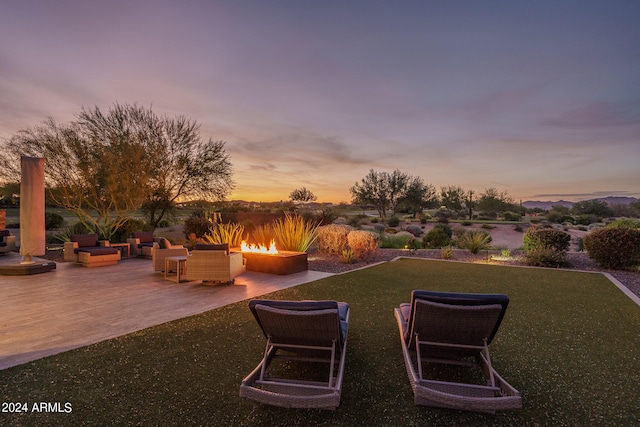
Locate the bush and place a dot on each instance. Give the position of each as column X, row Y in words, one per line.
column 53, row 220
column 379, row 228
column 544, row 256
column 614, row 247
column 332, row 238
column 127, row 228
column 396, row 241
column 436, row 238
column 196, row 225
column 362, row 243
column 511, row 216
column 475, row 241
column 446, row 228
column 394, row 221
column 555, row 239
column 632, row 223
column 446, row 252
column 230, row 233
column 416, row 230
column 347, row 256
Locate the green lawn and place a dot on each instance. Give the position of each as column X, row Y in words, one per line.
column 569, row 343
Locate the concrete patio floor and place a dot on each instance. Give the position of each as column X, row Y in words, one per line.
column 74, row 306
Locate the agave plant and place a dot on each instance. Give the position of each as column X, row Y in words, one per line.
column 294, row 233
column 475, row 241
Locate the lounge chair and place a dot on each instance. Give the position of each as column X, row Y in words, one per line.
column 87, row 250
column 142, row 244
column 446, row 328
column 303, row 331
column 162, row 249
column 214, row 264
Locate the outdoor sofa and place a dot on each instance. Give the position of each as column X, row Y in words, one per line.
column 88, row 250
column 7, row 243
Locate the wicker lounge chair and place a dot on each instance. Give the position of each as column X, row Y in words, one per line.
column 214, row 264
column 307, row 332
column 439, row 329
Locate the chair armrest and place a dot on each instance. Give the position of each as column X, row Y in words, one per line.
column 104, row 243
column 68, row 249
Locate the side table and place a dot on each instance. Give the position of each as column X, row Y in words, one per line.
column 177, row 263
column 124, row 248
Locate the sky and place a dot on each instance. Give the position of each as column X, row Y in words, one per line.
column 540, row 99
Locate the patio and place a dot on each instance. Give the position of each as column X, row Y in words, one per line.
column 71, row 307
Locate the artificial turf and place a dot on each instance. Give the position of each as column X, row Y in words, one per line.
column 569, row 342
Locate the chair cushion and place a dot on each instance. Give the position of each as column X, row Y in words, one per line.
column 4, row 233
column 85, row 240
column 97, row 250
column 212, row 247
column 143, row 236
column 164, row 243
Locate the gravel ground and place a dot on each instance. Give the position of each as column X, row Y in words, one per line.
column 578, row 261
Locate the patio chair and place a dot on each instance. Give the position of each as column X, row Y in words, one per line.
column 313, row 333
column 162, row 249
column 141, row 244
column 441, row 329
column 7, row 242
column 214, row 264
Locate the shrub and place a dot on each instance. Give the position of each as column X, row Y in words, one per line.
column 395, row 241
column 413, row 244
column 379, row 228
column 545, row 256
column 393, row 221
column 362, row 243
column 446, row 252
column 262, row 235
column 632, row 223
column 196, row 225
column 446, row 228
column 416, row 230
column 294, row 233
column 127, row 228
column 511, row 216
column 436, row 238
column 555, row 239
column 614, row 247
column 475, row 241
column 332, row 238
column 53, row 220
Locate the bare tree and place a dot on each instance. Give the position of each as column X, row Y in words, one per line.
column 302, row 195
column 103, row 167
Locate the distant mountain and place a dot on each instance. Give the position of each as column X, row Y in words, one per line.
column 611, row 200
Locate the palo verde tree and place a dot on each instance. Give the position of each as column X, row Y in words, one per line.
column 103, row 167
column 302, row 195
column 373, row 190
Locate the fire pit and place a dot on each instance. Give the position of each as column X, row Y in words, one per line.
column 272, row 261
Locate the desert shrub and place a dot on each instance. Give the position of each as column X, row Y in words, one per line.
column 487, row 226
column 474, row 241
column 466, row 223
column 230, row 233
column 127, row 228
column 394, row 221
column 545, row 256
column 416, row 230
column 196, row 225
column 395, row 241
column 53, row 220
column 446, row 252
column 294, row 233
column 332, row 238
column 586, row 219
column 518, row 228
column 355, row 221
column 555, row 239
column 362, row 243
column 511, row 216
column 379, row 228
column 632, row 223
column 446, row 228
column 614, row 247
column 436, row 238
column 413, row 244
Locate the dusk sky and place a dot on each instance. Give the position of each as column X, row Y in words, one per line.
column 537, row 98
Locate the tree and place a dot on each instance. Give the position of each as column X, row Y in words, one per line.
column 595, row 207
column 397, row 183
column 372, row 190
column 418, row 195
column 302, row 195
column 103, row 167
column 452, row 197
column 492, row 201
column 470, row 203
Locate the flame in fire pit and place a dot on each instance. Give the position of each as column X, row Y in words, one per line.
column 244, row 247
